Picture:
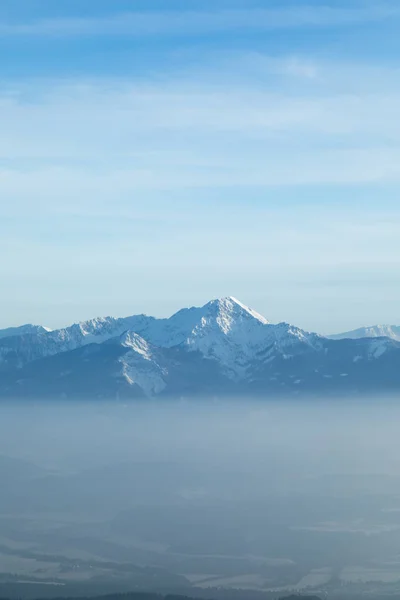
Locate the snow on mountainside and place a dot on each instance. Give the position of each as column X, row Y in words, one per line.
column 19, row 350
column 97, row 330
column 126, row 367
column 224, row 329
column 390, row 331
column 140, row 365
column 22, row 330
column 234, row 335
column 227, row 331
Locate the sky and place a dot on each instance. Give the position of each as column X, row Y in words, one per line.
column 157, row 154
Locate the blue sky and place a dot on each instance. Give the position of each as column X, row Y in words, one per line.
column 157, row 154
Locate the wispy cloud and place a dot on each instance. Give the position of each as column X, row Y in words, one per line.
column 110, row 138
column 188, row 22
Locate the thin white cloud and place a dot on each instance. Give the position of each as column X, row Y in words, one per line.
column 128, row 139
column 191, row 22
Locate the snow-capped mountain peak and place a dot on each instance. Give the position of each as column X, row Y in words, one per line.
column 230, row 308
column 224, row 329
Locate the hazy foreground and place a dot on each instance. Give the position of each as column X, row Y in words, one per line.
column 264, row 497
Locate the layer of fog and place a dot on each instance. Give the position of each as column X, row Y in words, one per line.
column 340, row 437
column 206, row 488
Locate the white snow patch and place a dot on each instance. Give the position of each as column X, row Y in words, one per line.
column 378, row 347
column 140, row 365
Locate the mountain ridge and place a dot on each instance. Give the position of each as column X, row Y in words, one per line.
column 26, row 329
column 221, row 348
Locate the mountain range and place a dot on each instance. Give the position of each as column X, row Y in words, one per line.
column 221, row 349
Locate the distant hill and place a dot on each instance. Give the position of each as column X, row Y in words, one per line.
column 390, row 331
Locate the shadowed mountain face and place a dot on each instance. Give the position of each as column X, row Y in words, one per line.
column 222, row 348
